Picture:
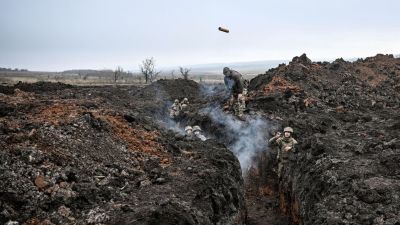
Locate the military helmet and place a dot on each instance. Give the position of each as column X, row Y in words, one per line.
column 185, row 99
column 288, row 129
column 176, row 101
column 188, row 128
column 196, row 128
column 226, row 70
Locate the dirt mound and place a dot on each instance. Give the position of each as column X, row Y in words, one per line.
column 343, row 115
column 40, row 87
column 168, row 90
column 95, row 155
column 8, row 90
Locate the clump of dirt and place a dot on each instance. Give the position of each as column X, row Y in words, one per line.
column 278, row 84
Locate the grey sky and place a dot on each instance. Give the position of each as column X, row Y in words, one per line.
column 97, row 34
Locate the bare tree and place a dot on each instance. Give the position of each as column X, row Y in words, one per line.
column 184, row 72
column 117, row 74
column 148, row 70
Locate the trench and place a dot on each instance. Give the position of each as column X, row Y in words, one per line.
column 265, row 198
column 264, row 202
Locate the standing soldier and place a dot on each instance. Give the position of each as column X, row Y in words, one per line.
column 234, row 82
column 286, row 146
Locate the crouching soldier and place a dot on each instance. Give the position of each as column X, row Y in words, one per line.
column 286, row 146
column 198, row 134
column 185, row 105
column 189, row 131
column 175, row 109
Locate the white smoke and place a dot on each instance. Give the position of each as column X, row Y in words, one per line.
column 171, row 124
column 208, row 90
column 249, row 137
column 167, row 122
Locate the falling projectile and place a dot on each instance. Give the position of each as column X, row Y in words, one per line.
column 223, row 29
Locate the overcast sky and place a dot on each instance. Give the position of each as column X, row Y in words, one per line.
column 96, row 34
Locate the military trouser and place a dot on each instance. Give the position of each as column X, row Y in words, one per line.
column 173, row 114
column 281, row 164
column 239, row 104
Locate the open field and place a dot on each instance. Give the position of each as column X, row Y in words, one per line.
column 11, row 77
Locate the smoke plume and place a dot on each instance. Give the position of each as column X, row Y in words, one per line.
column 248, row 137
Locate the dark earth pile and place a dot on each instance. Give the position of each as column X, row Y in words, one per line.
column 346, row 118
column 104, row 155
column 94, row 155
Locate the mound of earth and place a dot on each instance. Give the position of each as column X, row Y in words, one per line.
column 39, row 87
column 346, row 119
column 97, row 155
column 169, row 90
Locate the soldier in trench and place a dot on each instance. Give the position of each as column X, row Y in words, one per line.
column 237, row 86
column 175, row 109
column 286, row 147
column 185, row 105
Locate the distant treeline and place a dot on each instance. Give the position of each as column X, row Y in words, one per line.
column 84, row 74
column 10, row 69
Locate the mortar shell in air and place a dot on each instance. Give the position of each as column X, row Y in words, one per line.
column 223, row 29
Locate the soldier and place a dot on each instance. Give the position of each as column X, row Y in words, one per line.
column 286, row 146
column 234, row 82
column 197, row 133
column 185, row 104
column 175, row 109
column 189, row 130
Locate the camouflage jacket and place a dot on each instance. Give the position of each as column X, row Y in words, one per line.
column 176, row 107
column 234, row 82
column 286, row 145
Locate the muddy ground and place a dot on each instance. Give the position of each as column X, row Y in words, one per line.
column 110, row 155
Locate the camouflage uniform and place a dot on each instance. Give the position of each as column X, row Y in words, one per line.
column 240, row 105
column 189, row 131
column 175, row 109
column 197, row 133
column 286, row 146
column 185, row 104
column 235, row 84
